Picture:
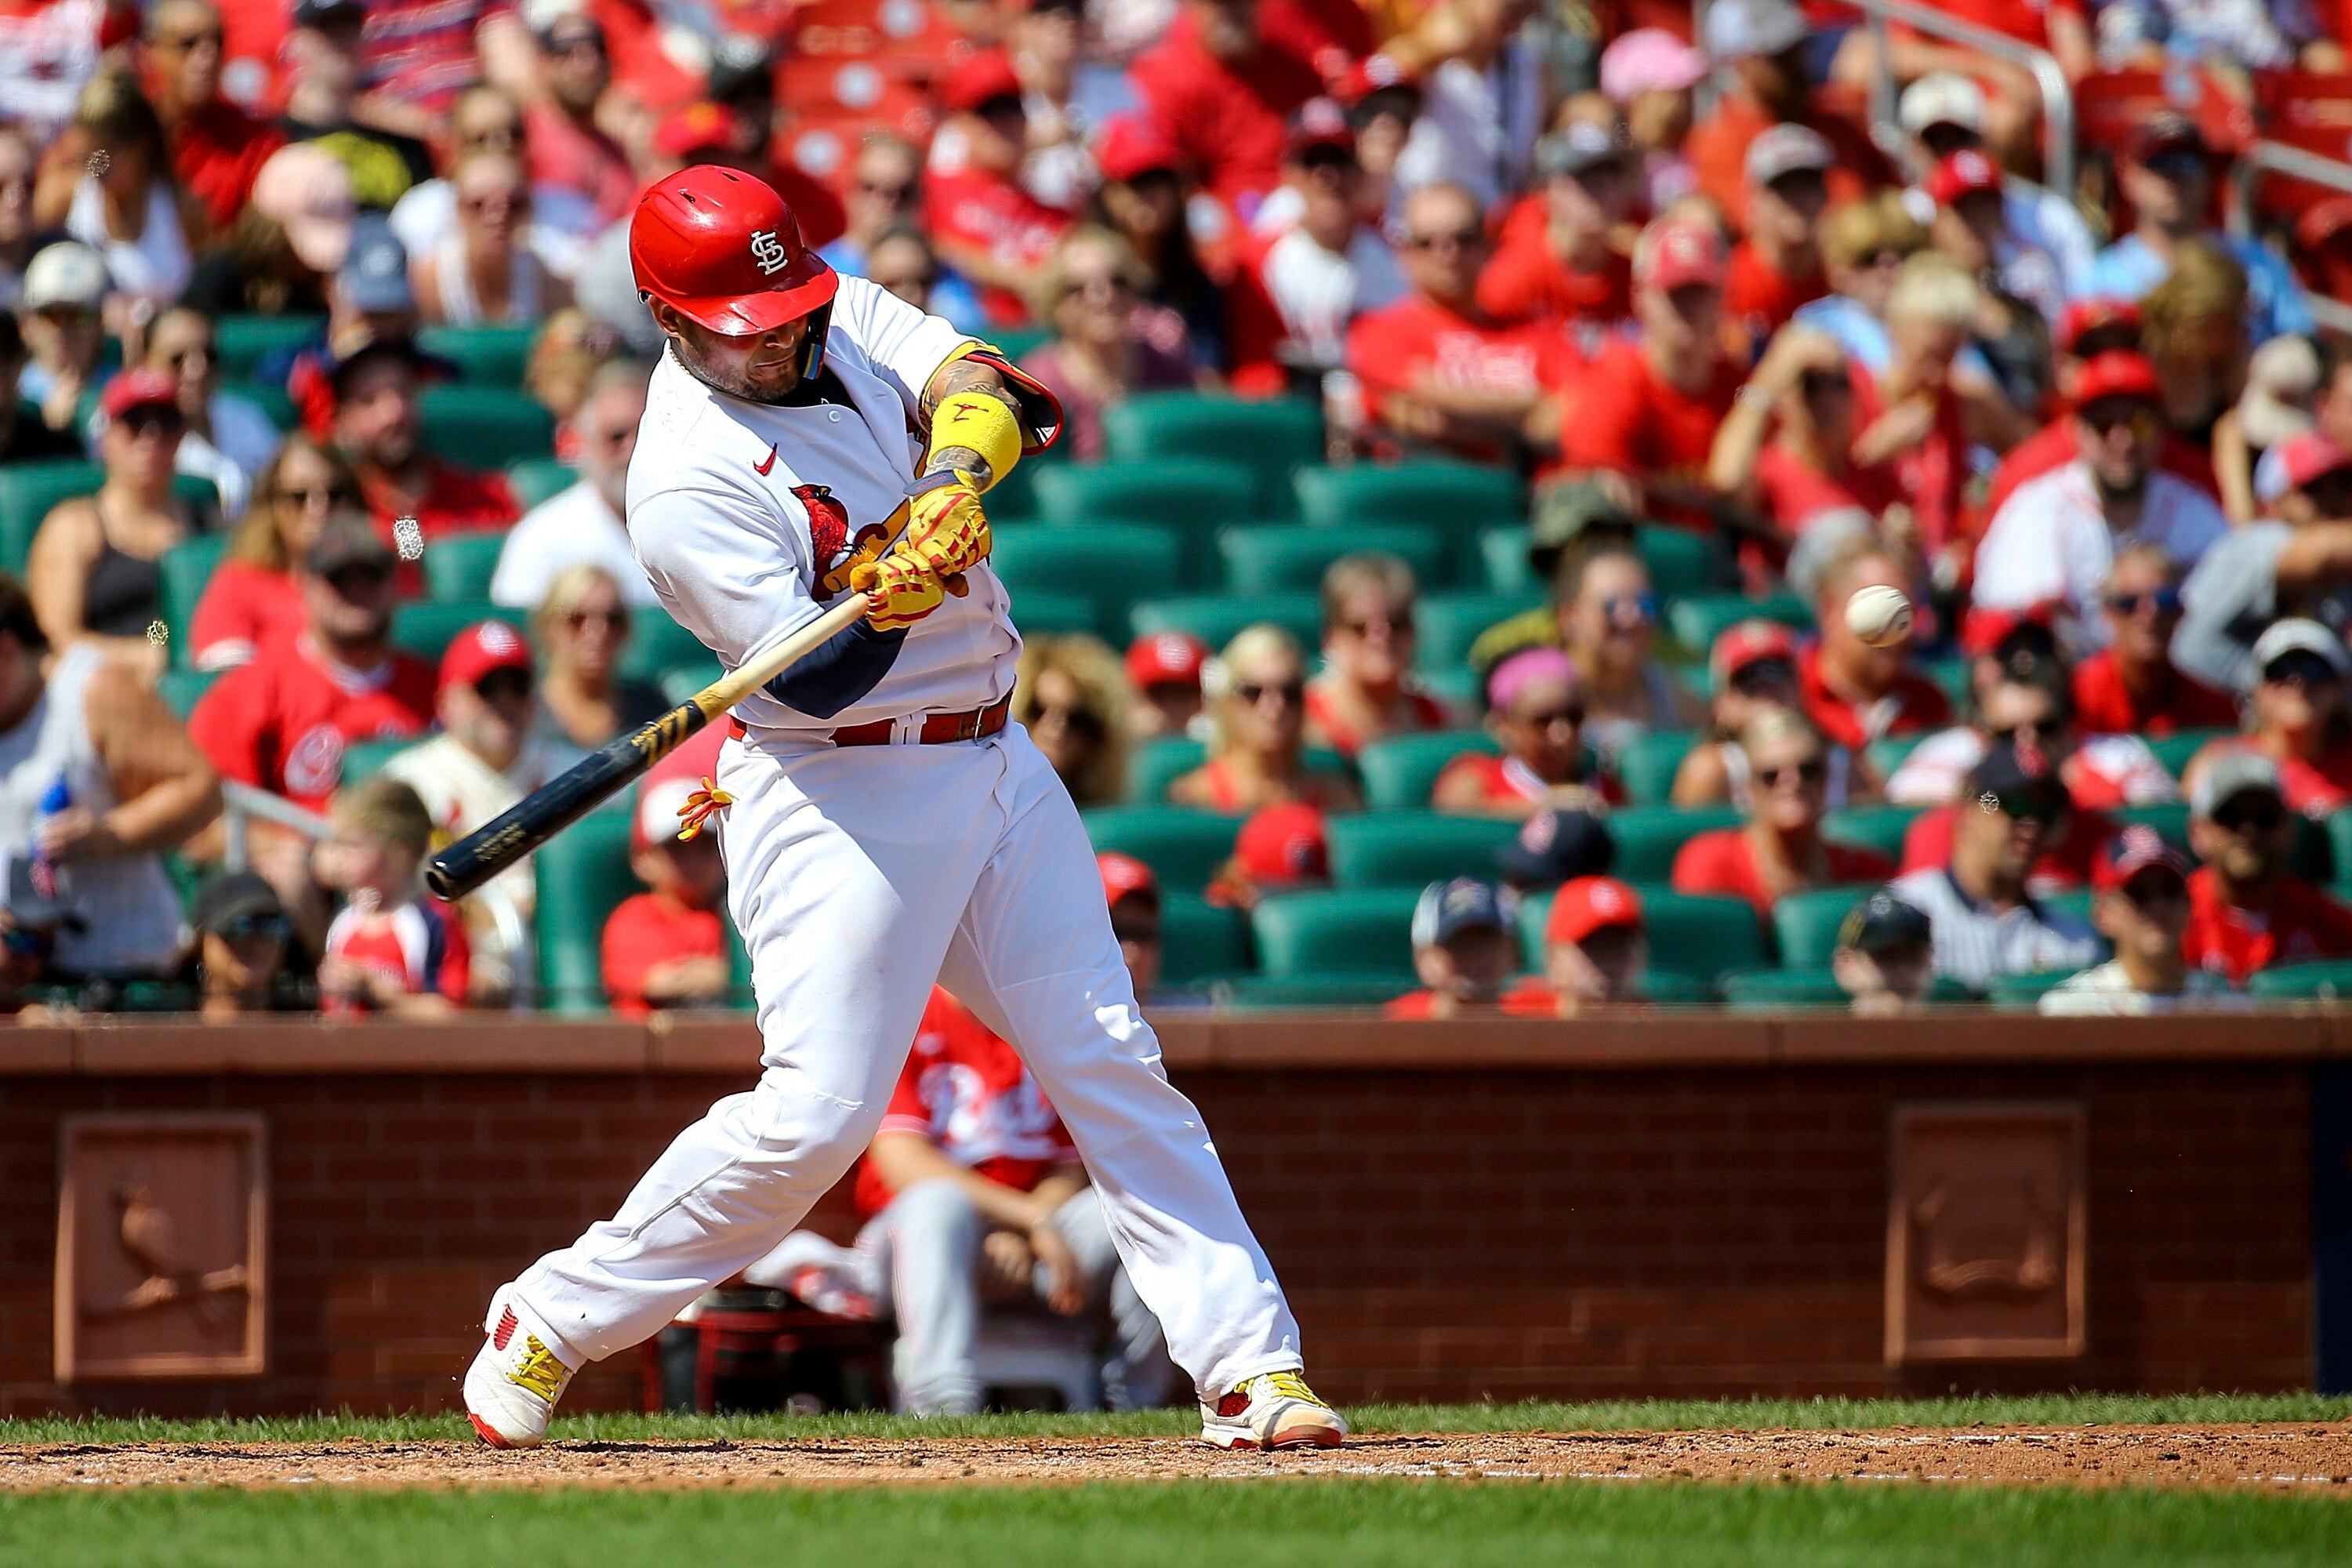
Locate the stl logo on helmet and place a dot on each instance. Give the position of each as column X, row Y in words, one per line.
column 768, row 251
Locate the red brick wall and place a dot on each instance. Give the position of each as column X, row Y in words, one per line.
column 1450, row 1222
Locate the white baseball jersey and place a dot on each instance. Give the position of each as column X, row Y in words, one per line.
column 743, row 514
column 2052, row 542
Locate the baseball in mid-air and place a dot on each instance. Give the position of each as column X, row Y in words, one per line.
column 1879, row 615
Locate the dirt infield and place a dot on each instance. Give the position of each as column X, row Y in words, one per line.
column 2297, row 1455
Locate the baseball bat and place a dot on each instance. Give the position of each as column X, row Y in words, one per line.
column 558, row 804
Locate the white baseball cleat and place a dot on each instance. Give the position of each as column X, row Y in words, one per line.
column 1272, row 1410
column 515, row 1380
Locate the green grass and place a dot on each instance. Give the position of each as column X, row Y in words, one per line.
column 1613, row 1415
column 1362, row 1524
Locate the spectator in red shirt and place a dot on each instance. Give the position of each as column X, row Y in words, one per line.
column 1223, row 91
column 1780, row 850
column 1536, row 709
column 1777, row 267
column 1465, row 947
column 392, row 950
column 1910, row 420
column 380, row 426
column 667, row 947
column 1366, row 692
column 1762, row 45
column 416, row 56
column 983, row 221
column 568, row 148
column 1258, row 734
column 1647, row 408
column 254, row 598
column 2088, row 329
column 1803, row 392
column 707, row 133
column 1753, row 671
column 1556, row 261
column 216, row 148
column 2246, row 911
column 1437, row 369
column 1856, row 693
column 2130, row 686
column 2300, row 722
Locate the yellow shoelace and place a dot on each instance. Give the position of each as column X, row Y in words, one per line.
column 540, row 1372
column 1289, row 1384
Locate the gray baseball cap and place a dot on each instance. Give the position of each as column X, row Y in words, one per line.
column 2298, row 634
column 1788, row 150
column 2229, row 775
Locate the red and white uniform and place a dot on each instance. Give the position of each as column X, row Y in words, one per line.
column 421, row 945
column 860, row 876
column 282, row 721
column 2052, row 543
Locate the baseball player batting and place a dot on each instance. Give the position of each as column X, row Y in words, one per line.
column 809, row 435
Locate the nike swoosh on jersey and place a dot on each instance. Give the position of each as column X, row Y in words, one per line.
column 763, row 468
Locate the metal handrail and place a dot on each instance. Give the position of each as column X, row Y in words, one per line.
column 2238, row 209
column 241, row 802
column 2057, row 98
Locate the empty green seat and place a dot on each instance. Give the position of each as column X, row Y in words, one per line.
column 1340, row 931
column 1199, row 940
column 1415, row 849
column 1273, row 438
column 1682, row 562
column 241, row 343
column 582, row 875
column 427, row 627
column 679, row 683
column 1879, row 827
column 1196, row 495
column 2311, row 855
column 1038, row 613
column 1806, row 924
column 1259, row 559
column 1649, row 837
column 2329, row 979
column 1216, row 618
column 1695, row 935
column 1779, row 990
column 2075, row 902
column 182, row 574
column 1018, row 342
column 1647, row 767
column 458, row 566
column 2175, row 751
column 485, row 426
column 659, row 645
column 28, row 492
column 486, row 353
column 1952, row 676
column 1458, row 498
column 272, row 401
column 1160, row 761
column 1503, row 554
column 1400, row 772
column 1458, row 689
column 535, row 479
column 1698, row 619
column 2023, row 993
column 1108, row 564
column 1449, row 623
column 1184, row 848
column 1278, row 992
column 179, row 688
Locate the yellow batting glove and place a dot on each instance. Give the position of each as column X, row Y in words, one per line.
column 900, row 589
column 946, row 529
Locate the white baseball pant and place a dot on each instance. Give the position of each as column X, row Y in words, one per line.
column 858, row 876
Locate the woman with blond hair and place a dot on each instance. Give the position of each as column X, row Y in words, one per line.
column 484, row 271
column 1108, row 343
column 108, row 181
column 1257, row 740
column 1780, row 849
column 2193, row 328
column 252, row 600
column 1365, row 691
column 580, row 628
column 1071, row 694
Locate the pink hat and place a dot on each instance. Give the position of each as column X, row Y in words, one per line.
column 1649, row 59
column 1523, row 669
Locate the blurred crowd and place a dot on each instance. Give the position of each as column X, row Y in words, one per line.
column 1660, row 267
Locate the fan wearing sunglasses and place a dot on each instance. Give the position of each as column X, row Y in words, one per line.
column 1536, row 703
column 1608, row 620
column 253, row 598
column 1753, row 670
column 584, row 625
column 2130, row 686
column 1365, row 691
column 1257, row 739
column 2299, row 717
column 2246, row 910
column 1072, row 693
column 1780, row 849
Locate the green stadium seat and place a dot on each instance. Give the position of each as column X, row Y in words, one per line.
column 180, row 689
column 1647, row 767
column 1280, row 992
column 2169, row 819
column 241, row 343
column 1342, row 931
column 681, row 682
column 487, row 354
column 1199, row 940
column 1259, row 559
column 1503, row 554
column 1020, row 342
column 2329, row 979
column 1648, row 836
column 1952, row 676
column 28, row 492
column 1184, row 848
column 1195, row 495
column 1698, row 619
column 536, row 479
column 1879, row 827
column 1216, row 618
column 1806, row 924
column 2073, row 901
column 2313, row 855
column 2174, row 751
column 1781, row 990
column 485, row 426
column 1038, row 613
column 1399, row 772
column 658, row 645
column 183, row 572
column 1447, row 624
column 1886, row 753
column 1682, row 562
column 1458, row 689
column 1108, row 564
column 2338, row 828
column 1666, row 988
column 1459, row 497
column 1273, row 438
column 1160, row 761
column 201, row 494
column 1695, row 935
column 363, row 760
column 582, row 875
column 458, row 566
column 1415, row 849
column 426, row 627
column 2023, row 993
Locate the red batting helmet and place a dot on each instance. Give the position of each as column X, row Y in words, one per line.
column 723, row 249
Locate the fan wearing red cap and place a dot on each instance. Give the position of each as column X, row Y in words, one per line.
column 1280, row 848
column 2140, row 904
column 1132, row 891
column 1164, row 668
column 982, row 220
column 379, row 422
column 1752, row 670
column 1971, row 225
column 77, row 594
column 2056, row 539
column 1596, row 950
column 667, row 946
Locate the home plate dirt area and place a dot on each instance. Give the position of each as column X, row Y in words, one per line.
column 2299, row 1456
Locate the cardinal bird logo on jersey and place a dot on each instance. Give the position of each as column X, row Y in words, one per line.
column 830, row 544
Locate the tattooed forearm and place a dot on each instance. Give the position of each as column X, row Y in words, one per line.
column 963, row 457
